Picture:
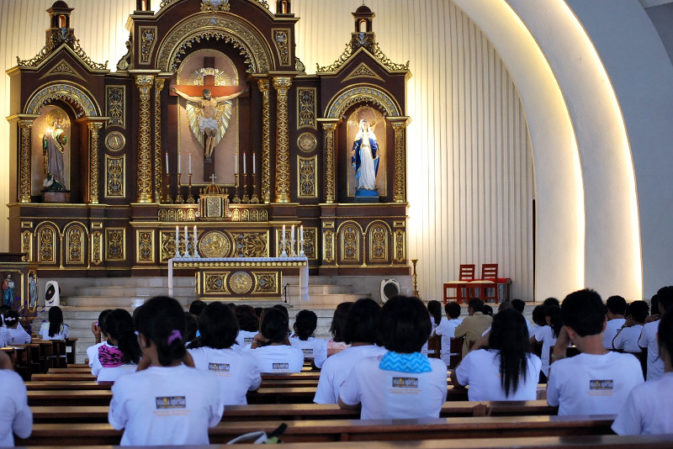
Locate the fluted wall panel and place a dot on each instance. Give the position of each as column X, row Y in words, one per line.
column 470, row 169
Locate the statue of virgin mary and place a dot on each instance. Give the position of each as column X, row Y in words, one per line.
column 365, row 160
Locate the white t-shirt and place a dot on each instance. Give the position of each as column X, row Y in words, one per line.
column 236, row 371
column 648, row 339
column 337, row 368
column 313, row 348
column 593, row 384
column 648, row 409
column 611, row 329
column 165, row 406
column 95, row 362
column 15, row 415
column 111, row 374
column 62, row 335
column 244, row 339
column 480, row 370
column 17, row 336
column 447, row 330
column 545, row 335
column 627, row 338
column 278, row 359
column 393, row 394
column 92, row 354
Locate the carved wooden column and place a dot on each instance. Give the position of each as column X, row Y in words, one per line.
column 399, row 125
column 282, row 85
column 94, row 143
column 158, row 166
column 329, row 150
column 144, row 179
column 25, row 138
column 264, row 87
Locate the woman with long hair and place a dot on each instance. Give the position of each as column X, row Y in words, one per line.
column 506, row 371
column 337, row 343
column 271, row 347
column 54, row 329
column 122, row 353
column 547, row 335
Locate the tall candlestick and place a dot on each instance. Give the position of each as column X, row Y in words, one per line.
column 244, row 169
column 196, row 239
column 292, row 249
column 301, row 241
column 301, row 233
column 177, row 241
column 254, row 170
column 235, row 163
column 189, row 163
column 167, row 171
column 186, row 243
column 179, row 171
column 283, row 252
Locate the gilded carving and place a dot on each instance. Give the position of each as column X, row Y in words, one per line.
column 250, row 244
column 240, row 282
column 75, row 244
column 144, row 83
column 214, row 244
column 307, row 109
column 249, row 214
column 264, row 87
column 215, row 5
column 328, row 246
column 148, row 39
column 307, row 142
column 350, row 236
column 158, row 165
column 266, row 282
column 167, row 245
column 224, row 27
column 46, row 244
column 377, row 243
column 400, row 180
column 282, row 85
column 115, row 141
column 81, row 101
column 145, row 246
column 115, row 244
column 96, row 248
column 281, row 40
column 177, row 214
column 362, row 93
column 63, row 69
column 25, row 129
column 362, row 71
column 115, row 176
column 307, row 177
column 27, row 246
column 330, row 182
column 311, row 242
column 115, row 105
column 376, row 52
column 94, row 133
column 215, row 282
column 400, row 246
column 55, row 43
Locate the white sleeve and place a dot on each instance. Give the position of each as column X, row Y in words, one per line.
column 216, row 408
column 642, row 340
column 350, row 392
column 628, row 420
column 255, row 375
column 96, row 365
column 3, row 337
column 44, row 331
column 324, row 394
column 23, row 420
column 92, row 353
column 116, row 415
column 552, row 385
column 463, row 370
column 618, row 341
column 66, row 331
column 319, row 352
column 26, row 336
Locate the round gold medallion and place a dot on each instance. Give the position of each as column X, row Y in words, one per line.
column 240, row 282
column 115, row 141
column 214, row 244
column 307, row 142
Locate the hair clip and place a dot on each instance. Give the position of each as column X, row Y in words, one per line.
column 175, row 335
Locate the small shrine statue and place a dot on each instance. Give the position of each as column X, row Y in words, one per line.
column 53, row 145
column 365, row 160
column 8, row 291
column 32, row 291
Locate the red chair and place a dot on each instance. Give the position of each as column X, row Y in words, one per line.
column 465, row 276
column 489, row 281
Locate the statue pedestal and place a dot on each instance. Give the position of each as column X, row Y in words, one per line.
column 367, row 196
column 56, row 197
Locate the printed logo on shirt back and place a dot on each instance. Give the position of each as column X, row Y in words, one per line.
column 601, row 387
column 220, row 367
column 170, row 402
column 405, row 382
column 280, row 365
column 308, row 352
column 248, row 339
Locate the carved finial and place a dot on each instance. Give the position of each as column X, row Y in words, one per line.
column 212, row 178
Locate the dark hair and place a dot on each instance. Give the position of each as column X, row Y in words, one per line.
column 487, row 310
column 4, row 308
column 616, row 305
column 161, row 320
column 476, row 304
column 519, row 305
column 247, row 318
column 638, row 311
column 555, row 318
column 538, row 315
column 305, row 323
column 339, row 321
column 119, row 326
column 283, row 309
column 404, row 325
column 551, row 301
column 665, row 297
column 584, row 312
column 654, row 304
column 191, row 326
column 435, row 310
column 218, row 326
column 452, row 309
column 101, row 320
column 11, row 318
column 196, row 307
column 506, row 304
column 274, row 325
column 258, row 312
column 55, row 320
column 509, row 335
column 362, row 322
column 665, row 334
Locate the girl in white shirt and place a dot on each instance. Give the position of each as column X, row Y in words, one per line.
column 547, row 335
column 15, row 333
column 248, row 326
column 337, row 343
column 507, row 371
column 98, row 330
column 314, row 349
column 122, row 353
column 54, row 329
column 236, row 371
column 271, row 347
column 15, row 415
column 167, row 403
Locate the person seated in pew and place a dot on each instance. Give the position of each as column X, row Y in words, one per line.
column 121, row 354
column 15, row 415
column 271, row 347
column 54, row 329
column 98, row 330
column 596, row 381
column 191, row 329
column 520, row 305
column 337, row 343
column 14, row 333
column 473, row 325
column 547, row 335
column 627, row 337
column 506, row 370
column 196, row 307
column 314, row 349
column 166, row 402
column 447, row 329
column 616, row 306
column 649, row 407
column 360, row 331
column 435, row 314
column 248, row 326
column 236, row 371
column 402, row 383
column 648, row 336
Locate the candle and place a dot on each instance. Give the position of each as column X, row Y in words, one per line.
column 196, row 239
column 179, row 170
column 253, row 164
column 301, row 233
column 189, row 163
column 167, row 171
column 235, row 163
column 283, row 244
column 186, row 243
column 244, row 170
column 292, row 234
column 177, row 241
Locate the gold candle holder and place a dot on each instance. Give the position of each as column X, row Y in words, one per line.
column 178, row 197
column 254, row 199
column 236, row 199
column 245, row 199
column 167, row 189
column 415, row 277
column 190, row 197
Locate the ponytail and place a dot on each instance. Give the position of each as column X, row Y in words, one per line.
column 161, row 320
column 509, row 334
column 119, row 326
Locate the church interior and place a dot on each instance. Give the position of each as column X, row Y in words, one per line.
column 312, row 152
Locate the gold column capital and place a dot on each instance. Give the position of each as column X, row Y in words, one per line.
column 282, row 82
column 264, row 87
column 282, row 85
column 144, row 82
column 25, row 138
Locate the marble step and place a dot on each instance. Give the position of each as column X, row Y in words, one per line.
column 127, row 291
column 320, row 289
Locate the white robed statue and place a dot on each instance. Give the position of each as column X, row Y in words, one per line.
column 53, row 145
column 365, row 160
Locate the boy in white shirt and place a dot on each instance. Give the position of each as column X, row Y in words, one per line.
column 648, row 336
column 271, row 347
column 447, row 330
column 99, row 334
column 616, row 310
column 360, row 332
column 248, row 326
column 627, row 337
column 596, row 381
column 403, row 383
column 314, row 349
column 15, row 415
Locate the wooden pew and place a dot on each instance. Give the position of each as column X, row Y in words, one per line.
column 69, row 397
column 63, row 377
